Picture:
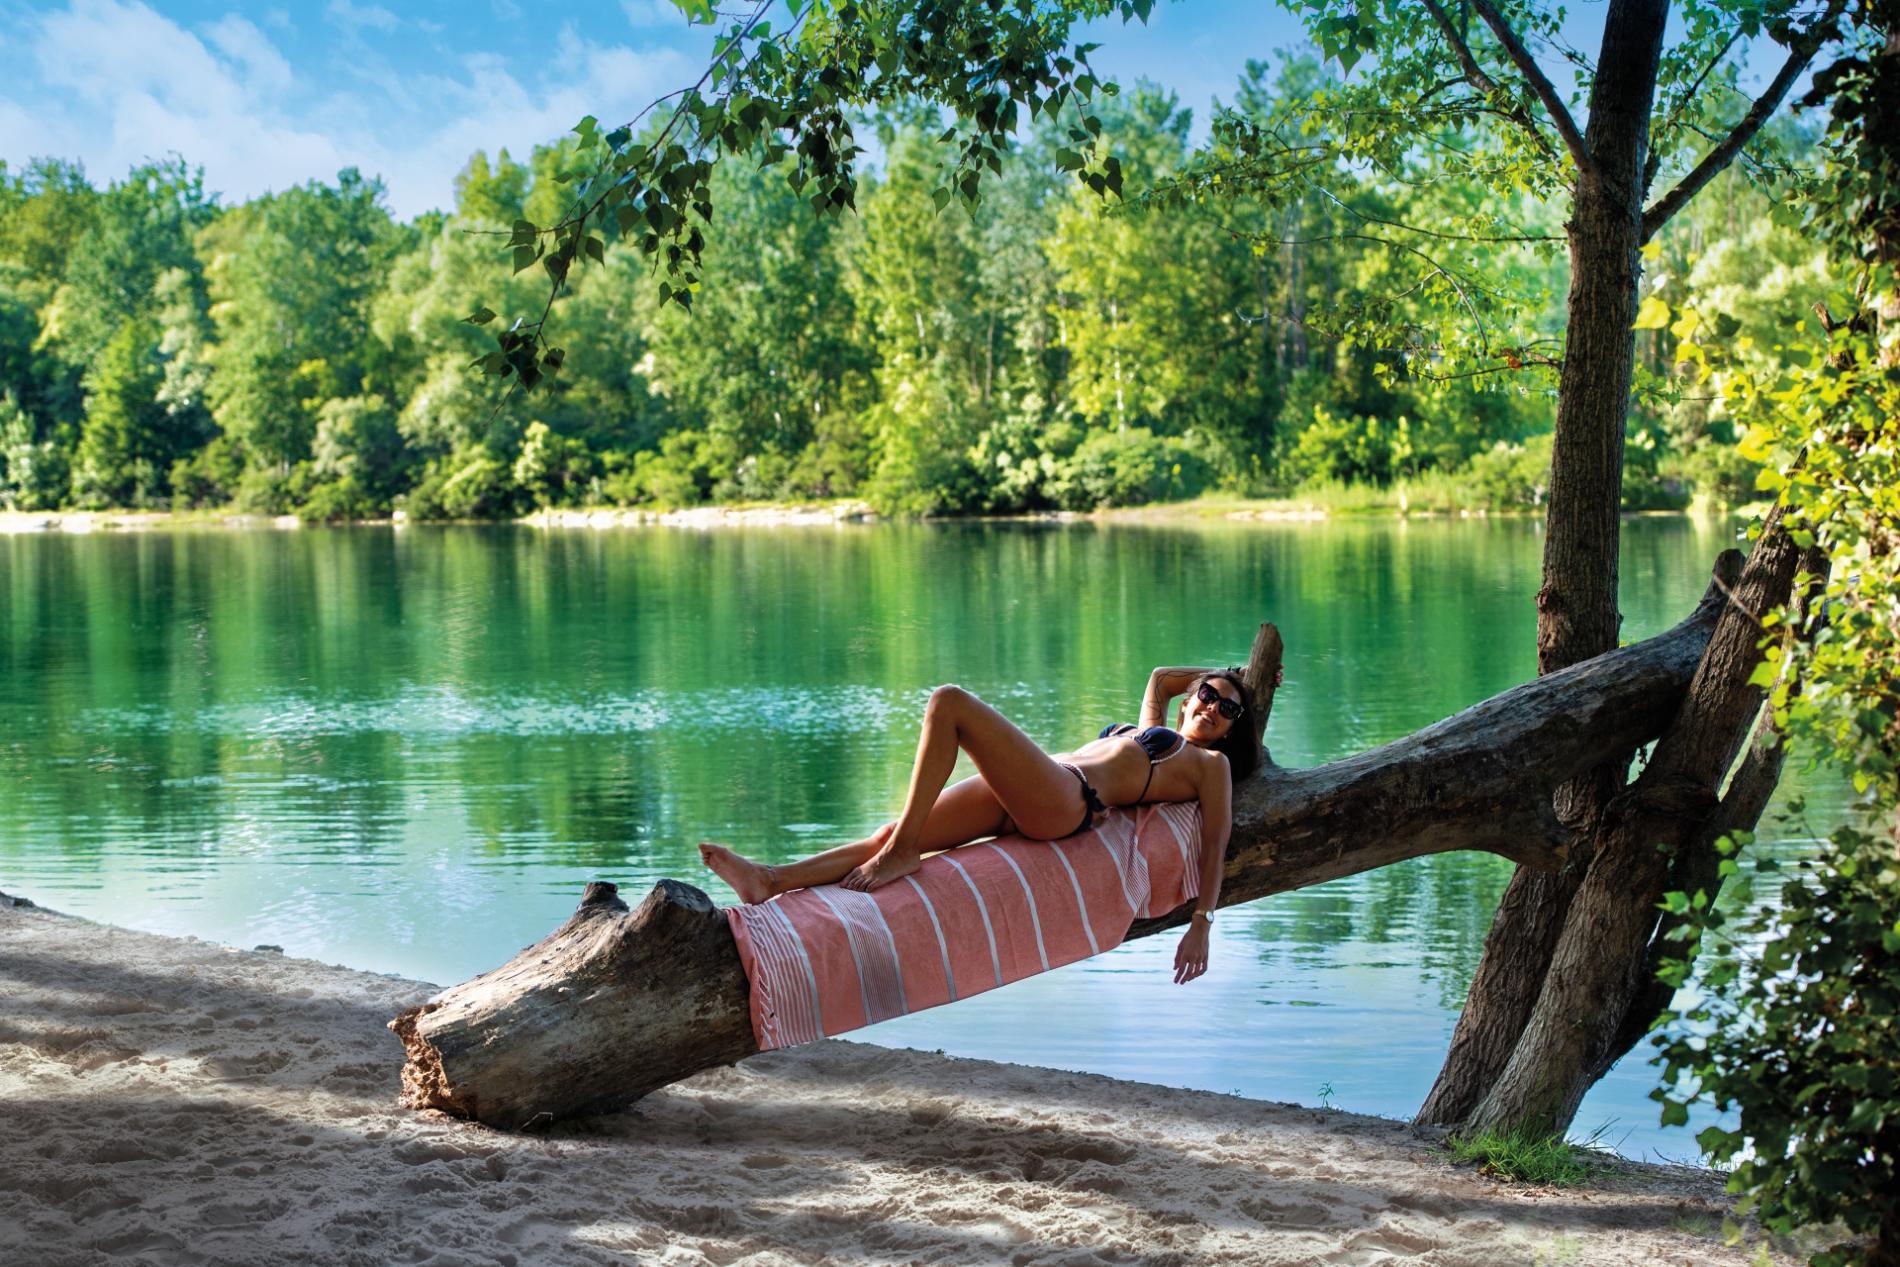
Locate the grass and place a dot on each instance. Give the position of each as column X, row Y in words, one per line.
column 1548, row 1160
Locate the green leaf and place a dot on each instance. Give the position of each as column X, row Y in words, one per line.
column 480, row 317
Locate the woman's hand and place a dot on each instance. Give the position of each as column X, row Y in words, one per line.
column 1190, row 959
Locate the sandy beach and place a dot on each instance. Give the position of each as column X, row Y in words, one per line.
column 174, row 1101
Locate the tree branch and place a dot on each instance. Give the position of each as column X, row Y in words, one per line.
column 1800, row 53
column 1539, row 83
column 1654, row 162
column 1479, row 78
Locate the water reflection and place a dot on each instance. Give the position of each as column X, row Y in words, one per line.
column 408, row 750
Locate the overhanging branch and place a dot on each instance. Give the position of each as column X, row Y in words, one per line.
column 1539, row 83
column 1478, row 77
column 1800, row 53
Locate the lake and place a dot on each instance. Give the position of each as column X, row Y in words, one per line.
column 407, row 749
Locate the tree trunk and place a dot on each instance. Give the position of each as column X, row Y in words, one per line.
column 1577, row 615
column 1597, row 968
column 614, row 1004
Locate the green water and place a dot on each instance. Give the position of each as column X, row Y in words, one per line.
column 407, row 749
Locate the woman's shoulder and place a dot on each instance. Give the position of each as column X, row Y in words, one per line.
column 1210, row 761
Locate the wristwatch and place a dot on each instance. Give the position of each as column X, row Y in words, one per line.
column 1207, row 916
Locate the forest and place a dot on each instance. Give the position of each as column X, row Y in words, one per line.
column 1045, row 348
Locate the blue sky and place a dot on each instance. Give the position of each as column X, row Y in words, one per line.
column 268, row 95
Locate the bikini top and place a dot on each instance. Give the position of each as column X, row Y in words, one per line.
column 1158, row 742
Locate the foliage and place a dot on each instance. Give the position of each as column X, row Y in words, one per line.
column 552, row 470
column 291, row 275
column 32, row 471
column 114, row 465
column 1797, row 1021
column 1127, row 468
column 1044, row 346
column 1513, row 476
column 469, row 483
column 788, row 95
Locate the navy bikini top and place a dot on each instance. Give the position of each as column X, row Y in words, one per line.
column 1158, row 742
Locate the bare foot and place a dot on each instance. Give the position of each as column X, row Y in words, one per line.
column 752, row 881
column 880, row 869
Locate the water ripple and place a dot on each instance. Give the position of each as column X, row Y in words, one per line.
column 440, row 711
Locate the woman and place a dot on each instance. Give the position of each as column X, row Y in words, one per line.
column 1019, row 788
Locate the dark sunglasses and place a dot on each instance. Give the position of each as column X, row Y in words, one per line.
column 1229, row 708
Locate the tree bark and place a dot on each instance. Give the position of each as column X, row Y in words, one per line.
column 614, row 1004
column 1597, row 968
column 1577, row 615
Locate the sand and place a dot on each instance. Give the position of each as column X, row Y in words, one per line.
column 173, row 1101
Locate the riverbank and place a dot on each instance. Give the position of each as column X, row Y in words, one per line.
column 821, row 514
column 175, row 1101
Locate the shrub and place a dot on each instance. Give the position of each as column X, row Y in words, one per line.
column 552, row 469
column 34, row 474
column 273, row 490
column 343, row 498
column 1646, row 485
column 471, row 483
column 1802, row 1036
column 1511, row 476
column 358, row 440
column 1720, row 474
column 208, row 477
column 1127, row 468
column 1338, row 446
column 680, row 473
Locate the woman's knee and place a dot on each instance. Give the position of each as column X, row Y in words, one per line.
column 948, row 698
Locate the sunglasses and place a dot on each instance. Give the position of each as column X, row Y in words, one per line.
column 1229, row 708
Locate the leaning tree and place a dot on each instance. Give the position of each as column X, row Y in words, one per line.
column 1481, row 90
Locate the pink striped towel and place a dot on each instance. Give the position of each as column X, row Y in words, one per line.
column 827, row 960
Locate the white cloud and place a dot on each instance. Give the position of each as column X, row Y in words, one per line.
column 491, row 109
column 264, row 68
column 357, row 16
column 120, row 83
column 154, row 88
column 643, row 14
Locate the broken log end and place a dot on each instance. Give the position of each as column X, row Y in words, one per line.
column 600, row 893
column 1263, row 662
column 424, row 1083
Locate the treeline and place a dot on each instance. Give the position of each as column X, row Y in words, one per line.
column 304, row 352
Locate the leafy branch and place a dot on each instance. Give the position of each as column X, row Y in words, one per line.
column 779, row 95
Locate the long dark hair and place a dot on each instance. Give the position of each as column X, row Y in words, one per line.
column 1238, row 745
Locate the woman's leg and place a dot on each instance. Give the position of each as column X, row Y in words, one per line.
column 1029, row 785
column 966, row 811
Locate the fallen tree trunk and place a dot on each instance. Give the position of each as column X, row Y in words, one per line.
column 616, row 1003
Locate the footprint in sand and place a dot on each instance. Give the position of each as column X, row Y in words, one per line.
column 1283, row 1213
column 239, row 1214
column 765, row 1161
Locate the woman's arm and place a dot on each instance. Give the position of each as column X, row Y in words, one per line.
column 1164, row 685
column 1217, row 820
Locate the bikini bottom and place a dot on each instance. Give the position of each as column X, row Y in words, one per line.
column 1091, row 802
